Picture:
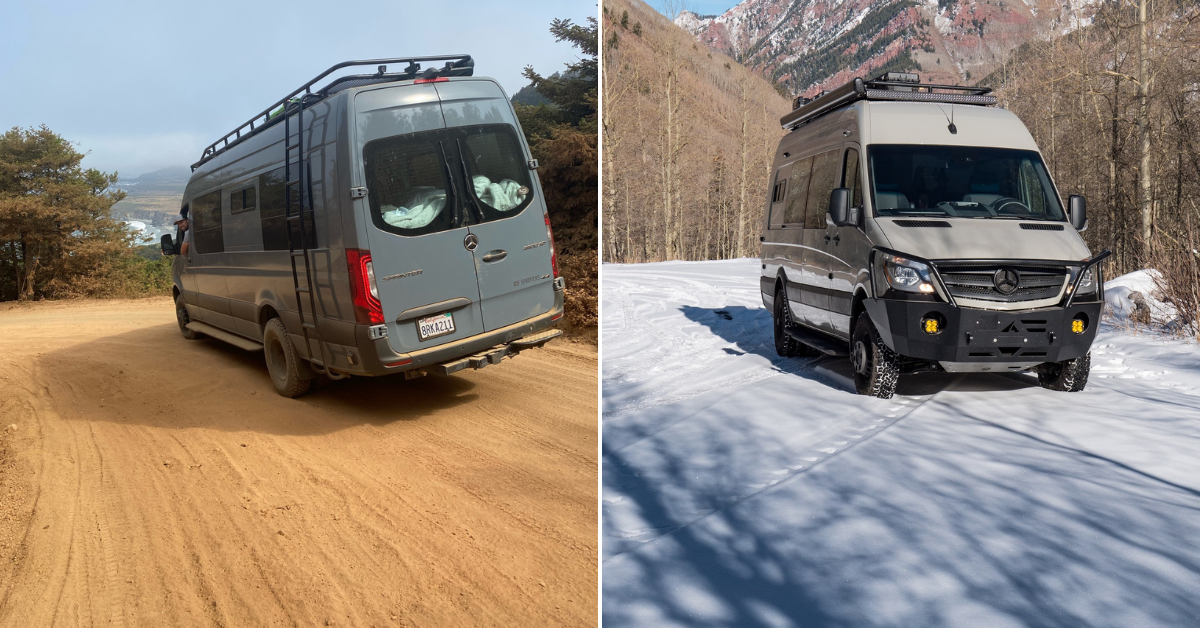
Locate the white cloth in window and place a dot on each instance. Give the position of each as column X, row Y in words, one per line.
column 423, row 206
column 503, row 196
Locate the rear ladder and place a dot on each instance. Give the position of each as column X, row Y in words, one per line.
column 303, row 203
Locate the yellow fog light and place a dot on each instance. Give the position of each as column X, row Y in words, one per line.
column 1079, row 324
column 933, row 323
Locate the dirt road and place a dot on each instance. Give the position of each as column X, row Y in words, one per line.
column 157, row 481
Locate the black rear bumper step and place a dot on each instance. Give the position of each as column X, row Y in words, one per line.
column 495, row 354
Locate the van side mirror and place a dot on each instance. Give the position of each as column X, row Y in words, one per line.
column 1077, row 212
column 168, row 247
column 839, row 207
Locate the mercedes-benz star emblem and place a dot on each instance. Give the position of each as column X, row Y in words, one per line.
column 471, row 241
column 1006, row 280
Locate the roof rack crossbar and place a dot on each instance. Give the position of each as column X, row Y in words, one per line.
column 881, row 88
column 454, row 62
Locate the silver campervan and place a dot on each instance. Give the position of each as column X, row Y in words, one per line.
column 915, row 227
column 383, row 223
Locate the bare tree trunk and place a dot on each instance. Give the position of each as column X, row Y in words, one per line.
column 1144, row 128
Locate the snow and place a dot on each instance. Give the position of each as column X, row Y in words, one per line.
column 1120, row 307
column 744, row 489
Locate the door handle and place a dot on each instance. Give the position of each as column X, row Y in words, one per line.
column 837, row 239
column 495, row 256
column 827, row 238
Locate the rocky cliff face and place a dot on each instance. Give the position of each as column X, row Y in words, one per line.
column 810, row 45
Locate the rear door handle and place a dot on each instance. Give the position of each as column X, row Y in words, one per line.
column 495, row 256
column 827, row 238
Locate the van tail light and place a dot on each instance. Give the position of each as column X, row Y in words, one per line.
column 553, row 252
column 364, row 293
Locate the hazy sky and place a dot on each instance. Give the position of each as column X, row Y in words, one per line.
column 144, row 85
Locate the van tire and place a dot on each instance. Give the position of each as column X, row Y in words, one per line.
column 876, row 367
column 785, row 345
column 181, row 315
column 1067, row 376
column 282, row 361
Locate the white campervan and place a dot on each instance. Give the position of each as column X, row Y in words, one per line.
column 916, row 228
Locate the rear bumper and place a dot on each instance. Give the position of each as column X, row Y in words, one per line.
column 383, row 361
column 971, row 335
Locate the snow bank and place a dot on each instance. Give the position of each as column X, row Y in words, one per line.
column 1123, row 294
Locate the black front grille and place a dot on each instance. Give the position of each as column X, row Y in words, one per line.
column 977, row 281
column 1041, row 226
column 922, row 223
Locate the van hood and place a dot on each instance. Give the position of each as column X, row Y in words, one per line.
column 982, row 238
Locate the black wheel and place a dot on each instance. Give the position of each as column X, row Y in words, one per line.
column 181, row 315
column 785, row 345
column 875, row 365
column 1067, row 376
column 282, row 361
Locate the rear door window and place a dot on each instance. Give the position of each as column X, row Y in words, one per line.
column 407, row 184
column 497, row 169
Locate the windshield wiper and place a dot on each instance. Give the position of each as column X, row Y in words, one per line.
column 455, row 214
column 467, row 178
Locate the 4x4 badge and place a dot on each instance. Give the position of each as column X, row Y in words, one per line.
column 1006, row 280
column 471, row 241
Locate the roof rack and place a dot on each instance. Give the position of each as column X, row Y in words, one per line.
column 904, row 86
column 456, row 65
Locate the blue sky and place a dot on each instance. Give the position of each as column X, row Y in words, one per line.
column 144, row 85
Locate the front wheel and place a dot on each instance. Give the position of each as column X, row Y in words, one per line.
column 282, row 361
column 1067, row 376
column 876, row 367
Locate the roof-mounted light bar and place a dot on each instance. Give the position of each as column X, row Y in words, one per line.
column 896, row 86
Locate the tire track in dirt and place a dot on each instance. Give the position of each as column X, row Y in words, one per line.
column 182, row 490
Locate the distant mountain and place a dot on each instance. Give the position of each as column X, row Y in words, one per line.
column 811, row 45
column 168, row 181
column 528, row 95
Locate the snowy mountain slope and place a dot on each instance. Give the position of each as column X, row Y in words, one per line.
column 744, row 489
column 811, row 45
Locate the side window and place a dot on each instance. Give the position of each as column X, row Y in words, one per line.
column 243, row 200
column 778, row 196
column 820, row 185
column 271, row 214
column 206, row 223
column 850, row 179
column 1032, row 189
column 793, row 213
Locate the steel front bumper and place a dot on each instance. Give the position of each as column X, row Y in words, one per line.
column 984, row 336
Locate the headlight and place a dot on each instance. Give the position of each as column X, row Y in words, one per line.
column 907, row 275
column 1088, row 284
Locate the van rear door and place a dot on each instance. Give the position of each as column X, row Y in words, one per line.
column 502, row 201
column 419, row 245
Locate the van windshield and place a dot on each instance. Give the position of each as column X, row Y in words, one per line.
column 962, row 182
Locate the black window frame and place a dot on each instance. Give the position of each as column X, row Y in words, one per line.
column 240, row 206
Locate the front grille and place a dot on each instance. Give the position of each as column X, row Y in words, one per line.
column 922, row 223
column 1041, row 226
column 969, row 280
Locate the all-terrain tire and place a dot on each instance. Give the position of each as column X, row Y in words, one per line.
column 283, row 363
column 181, row 315
column 876, row 367
column 785, row 345
column 1067, row 376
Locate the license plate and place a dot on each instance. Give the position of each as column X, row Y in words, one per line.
column 433, row 326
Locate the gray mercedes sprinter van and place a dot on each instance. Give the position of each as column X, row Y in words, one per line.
column 915, row 227
column 383, row 223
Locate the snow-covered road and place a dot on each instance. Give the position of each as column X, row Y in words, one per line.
column 744, row 489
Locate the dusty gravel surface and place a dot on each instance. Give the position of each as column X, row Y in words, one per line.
column 155, row 481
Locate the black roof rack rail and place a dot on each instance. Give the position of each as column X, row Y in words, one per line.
column 456, row 65
column 905, row 86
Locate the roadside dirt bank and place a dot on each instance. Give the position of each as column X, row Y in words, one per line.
column 152, row 480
